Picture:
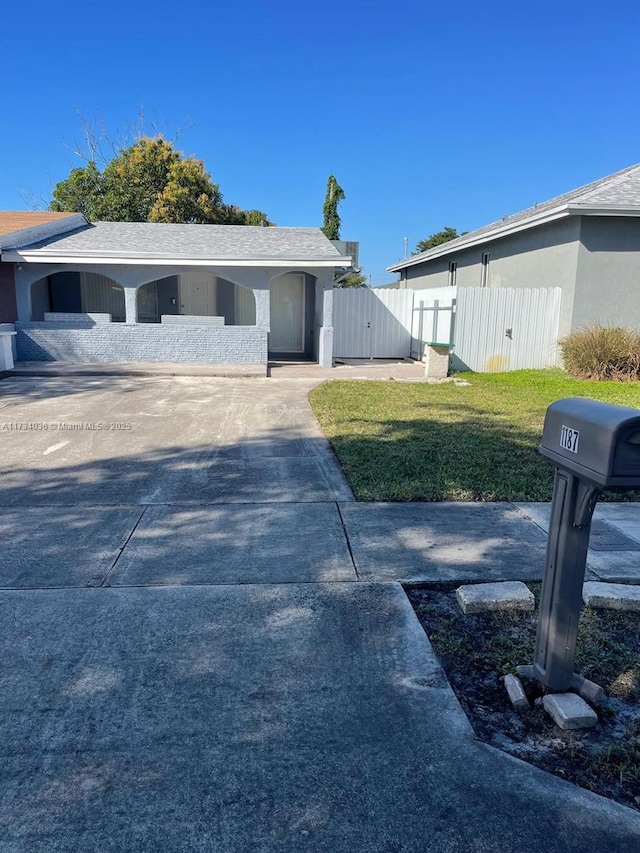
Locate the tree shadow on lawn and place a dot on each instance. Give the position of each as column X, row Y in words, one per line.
column 477, row 455
column 474, row 456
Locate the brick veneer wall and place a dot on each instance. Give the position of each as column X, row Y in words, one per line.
column 117, row 342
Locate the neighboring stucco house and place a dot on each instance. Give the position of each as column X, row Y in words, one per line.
column 132, row 291
column 586, row 242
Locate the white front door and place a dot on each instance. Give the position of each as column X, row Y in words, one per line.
column 198, row 295
column 287, row 313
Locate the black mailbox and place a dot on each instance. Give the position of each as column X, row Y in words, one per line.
column 594, row 446
column 596, row 441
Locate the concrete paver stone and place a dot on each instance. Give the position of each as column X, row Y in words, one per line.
column 614, row 596
column 484, row 597
column 515, row 691
column 569, row 711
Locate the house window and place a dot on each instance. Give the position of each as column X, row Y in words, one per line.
column 453, row 272
column 484, row 275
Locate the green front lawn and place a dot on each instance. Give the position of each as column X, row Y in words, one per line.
column 418, row 442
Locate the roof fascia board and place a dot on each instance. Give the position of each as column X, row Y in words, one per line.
column 37, row 233
column 602, row 210
column 25, row 256
column 499, row 231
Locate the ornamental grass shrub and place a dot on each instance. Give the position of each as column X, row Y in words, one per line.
column 602, row 352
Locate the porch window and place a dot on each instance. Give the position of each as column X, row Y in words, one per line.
column 101, row 295
column 148, row 303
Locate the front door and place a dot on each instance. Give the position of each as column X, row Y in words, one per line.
column 287, row 314
column 198, row 295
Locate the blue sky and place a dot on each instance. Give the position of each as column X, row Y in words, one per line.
column 429, row 114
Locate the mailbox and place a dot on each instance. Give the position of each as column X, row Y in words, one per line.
column 594, row 446
column 596, row 441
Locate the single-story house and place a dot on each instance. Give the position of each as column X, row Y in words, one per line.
column 586, row 242
column 137, row 291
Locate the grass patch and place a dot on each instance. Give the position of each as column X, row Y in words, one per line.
column 477, row 650
column 479, row 442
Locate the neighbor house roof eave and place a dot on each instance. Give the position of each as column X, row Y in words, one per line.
column 476, row 240
column 42, row 231
column 602, row 210
column 507, row 229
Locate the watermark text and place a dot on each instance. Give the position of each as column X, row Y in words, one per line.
column 65, row 426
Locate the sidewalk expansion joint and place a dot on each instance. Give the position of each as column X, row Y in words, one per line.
column 111, row 570
column 346, row 536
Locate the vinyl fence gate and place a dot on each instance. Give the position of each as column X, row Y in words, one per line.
column 372, row 324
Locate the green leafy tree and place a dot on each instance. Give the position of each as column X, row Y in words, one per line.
column 256, row 217
column 353, row 279
column 331, row 219
column 135, row 180
column 437, row 239
column 81, row 192
column 188, row 196
column 149, row 181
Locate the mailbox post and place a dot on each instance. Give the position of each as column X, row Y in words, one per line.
column 594, row 446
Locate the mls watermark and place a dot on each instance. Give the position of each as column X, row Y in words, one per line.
column 65, row 426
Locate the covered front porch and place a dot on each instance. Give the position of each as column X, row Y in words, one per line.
column 100, row 313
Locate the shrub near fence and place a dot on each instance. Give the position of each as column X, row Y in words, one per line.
column 602, row 352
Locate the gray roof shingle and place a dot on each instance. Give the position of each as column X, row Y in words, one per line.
column 622, row 189
column 191, row 242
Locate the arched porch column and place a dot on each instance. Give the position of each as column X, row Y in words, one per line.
column 131, row 305
column 263, row 311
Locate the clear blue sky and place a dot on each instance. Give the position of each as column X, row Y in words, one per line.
column 429, row 114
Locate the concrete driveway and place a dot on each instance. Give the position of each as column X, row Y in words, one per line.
column 193, row 661
column 162, row 440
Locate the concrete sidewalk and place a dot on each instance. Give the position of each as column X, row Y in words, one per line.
column 278, row 542
column 205, row 646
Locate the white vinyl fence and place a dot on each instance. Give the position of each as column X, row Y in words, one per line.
column 506, row 329
column 372, row 324
column 490, row 330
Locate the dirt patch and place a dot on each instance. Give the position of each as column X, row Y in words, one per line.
column 476, row 651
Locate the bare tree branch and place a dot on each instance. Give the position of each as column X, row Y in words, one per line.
column 31, row 201
column 97, row 145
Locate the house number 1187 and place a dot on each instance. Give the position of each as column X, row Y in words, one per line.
column 569, row 438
